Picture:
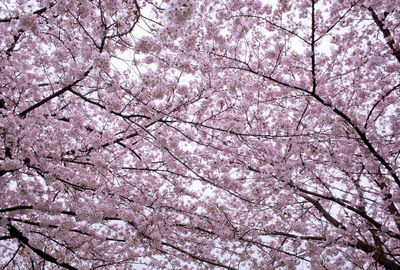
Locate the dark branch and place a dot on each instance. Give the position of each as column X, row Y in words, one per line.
column 56, row 94
column 386, row 33
column 21, row 238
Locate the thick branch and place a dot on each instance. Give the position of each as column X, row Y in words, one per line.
column 363, row 137
column 314, row 80
column 21, row 238
column 16, row 208
column 378, row 255
column 386, row 33
column 324, row 213
column 36, row 12
column 346, row 118
column 56, row 94
column 377, row 103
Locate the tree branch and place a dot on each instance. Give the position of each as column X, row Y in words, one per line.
column 56, row 94
column 21, row 238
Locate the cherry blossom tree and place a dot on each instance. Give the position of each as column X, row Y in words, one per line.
column 182, row 134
